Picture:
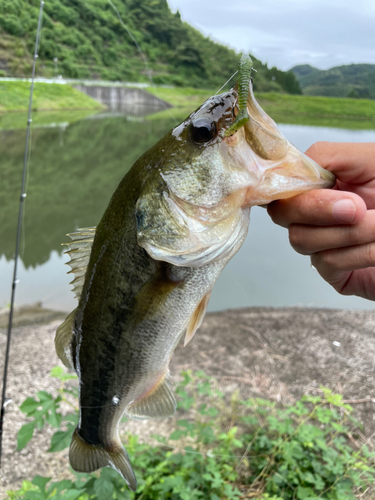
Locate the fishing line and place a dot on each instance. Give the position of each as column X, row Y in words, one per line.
column 193, row 452
column 4, row 399
column 229, row 79
column 142, row 54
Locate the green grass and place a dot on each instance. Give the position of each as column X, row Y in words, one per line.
column 275, row 103
column 182, row 97
column 14, row 96
column 283, row 108
column 326, row 107
column 18, row 120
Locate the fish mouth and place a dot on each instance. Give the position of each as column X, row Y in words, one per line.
column 281, row 170
column 294, row 174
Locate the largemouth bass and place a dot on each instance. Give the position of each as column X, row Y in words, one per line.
column 144, row 276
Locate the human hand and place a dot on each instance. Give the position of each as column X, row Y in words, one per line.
column 337, row 227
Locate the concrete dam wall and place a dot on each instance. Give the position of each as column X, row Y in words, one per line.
column 131, row 101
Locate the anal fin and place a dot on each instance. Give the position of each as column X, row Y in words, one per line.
column 63, row 340
column 197, row 318
column 157, row 403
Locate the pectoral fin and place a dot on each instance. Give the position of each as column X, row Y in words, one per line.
column 197, row 318
column 157, row 403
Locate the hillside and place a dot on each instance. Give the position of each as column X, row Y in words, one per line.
column 89, row 41
column 353, row 80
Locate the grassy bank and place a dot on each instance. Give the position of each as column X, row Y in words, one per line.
column 182, row 97
column 284, row 108
column 361, row 109
column 18, row 120
column 14, row 96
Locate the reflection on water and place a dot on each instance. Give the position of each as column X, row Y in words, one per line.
column 73, row 172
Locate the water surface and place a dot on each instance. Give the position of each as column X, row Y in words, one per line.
column 75, row 166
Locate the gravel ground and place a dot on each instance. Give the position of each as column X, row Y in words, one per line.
column 272, row 353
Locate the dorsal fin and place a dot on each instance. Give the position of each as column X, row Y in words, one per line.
column 79, row 252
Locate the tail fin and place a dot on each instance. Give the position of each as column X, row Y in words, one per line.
column 86, row 457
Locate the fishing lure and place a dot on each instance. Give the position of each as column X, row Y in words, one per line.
column 244, row 77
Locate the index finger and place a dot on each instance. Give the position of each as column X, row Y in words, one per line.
column 319, row 207
column 351, row 162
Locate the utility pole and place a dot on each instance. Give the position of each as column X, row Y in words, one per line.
column 56, row 61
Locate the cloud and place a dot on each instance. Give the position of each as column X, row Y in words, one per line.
column 289, row 32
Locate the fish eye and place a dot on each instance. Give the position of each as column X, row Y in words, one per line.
column 203, row 130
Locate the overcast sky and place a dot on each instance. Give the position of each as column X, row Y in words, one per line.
column 323, row 33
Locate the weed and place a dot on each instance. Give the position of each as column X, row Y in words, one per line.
column 219, row 449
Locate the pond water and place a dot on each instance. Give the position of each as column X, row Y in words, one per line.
column 76, row 164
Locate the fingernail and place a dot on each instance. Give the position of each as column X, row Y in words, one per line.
column 344, row 210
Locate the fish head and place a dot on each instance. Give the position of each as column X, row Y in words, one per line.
column 257, row 163
column 208, row 180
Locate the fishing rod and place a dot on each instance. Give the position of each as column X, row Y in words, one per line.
column 4, row 399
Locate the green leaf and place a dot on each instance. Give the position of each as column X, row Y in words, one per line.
column 54, row 418
column 41, row 483
column 213, row 496
column 72, row 417
column 176, row 435
column 60, row 486
column 34, row 495
column 29, row 406
column 58, row 372
column 61, row 439
column 25, row 434
column 103, row 486
column 304, row 493
column 71, row 494
column 44, row 396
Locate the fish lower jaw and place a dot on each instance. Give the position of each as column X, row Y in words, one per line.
column 280, row 190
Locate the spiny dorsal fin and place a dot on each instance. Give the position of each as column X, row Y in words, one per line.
column 79, row 252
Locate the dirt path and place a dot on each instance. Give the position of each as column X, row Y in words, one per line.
column 272, row 353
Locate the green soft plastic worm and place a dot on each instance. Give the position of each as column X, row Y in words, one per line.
column 243, row 90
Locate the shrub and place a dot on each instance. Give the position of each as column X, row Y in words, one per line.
column 219, row 449
column 12, row 25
